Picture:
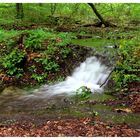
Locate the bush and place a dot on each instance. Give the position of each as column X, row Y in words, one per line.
column 11, row 62
column 62, row 39
column 65, row 52
column 35, row 39
column 48, row 64
column 128, row 66
column 39, row 77
column 83, row 92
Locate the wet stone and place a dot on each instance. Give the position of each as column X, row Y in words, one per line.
column 11, row 90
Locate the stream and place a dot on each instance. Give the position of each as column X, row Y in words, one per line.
column 91, row 73
column 56, row 101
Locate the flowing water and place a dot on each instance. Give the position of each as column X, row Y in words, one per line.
column 19, row 105
column 91, row 73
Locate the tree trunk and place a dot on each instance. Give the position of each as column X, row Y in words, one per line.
column 98, row 15
column 53, row 8
column 19, row 9
column 40, row 4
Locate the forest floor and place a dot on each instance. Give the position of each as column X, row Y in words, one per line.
column 25, row 125
column 77, row 126
column 68, row 127
column 48, row 123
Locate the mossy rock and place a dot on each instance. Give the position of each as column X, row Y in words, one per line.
column 12, row 91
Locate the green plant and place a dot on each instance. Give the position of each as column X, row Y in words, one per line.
column 65, row 52
column 83, row 92
column 50, row 50
column 127, row 67
column 8, row 39
column 32, row 68
column 35, row 39
column 63, row 39
column 11, row 62
column 49, row 65
column 6, row 35
column 39, row 77
column 58, row 79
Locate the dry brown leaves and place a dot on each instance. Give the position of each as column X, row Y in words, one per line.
column 135, row 102
column 68, row 127
column 31, row 56
column 126, row 110
column 4, row 77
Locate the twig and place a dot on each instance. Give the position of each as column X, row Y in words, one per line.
column 107, row 78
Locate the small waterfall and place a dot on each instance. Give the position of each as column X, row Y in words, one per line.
column 91, row 73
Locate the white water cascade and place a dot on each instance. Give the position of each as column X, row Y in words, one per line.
column 91, row 73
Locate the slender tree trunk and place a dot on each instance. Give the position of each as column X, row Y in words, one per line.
column 40, row 4
column 19, row 9
column 53, row 8
column 98, row 14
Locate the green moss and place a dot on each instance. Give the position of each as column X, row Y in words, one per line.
column 93, row 42
column 101, row 97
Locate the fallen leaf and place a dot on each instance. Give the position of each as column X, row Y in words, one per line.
column 127, row 110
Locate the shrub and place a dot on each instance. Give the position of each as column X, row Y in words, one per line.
column 83, row 92
column 35, row 39
column 127, row 68
column 65, row 52
column 39, row 77
column 49, row 65
column 11, row 62
column 62, row 39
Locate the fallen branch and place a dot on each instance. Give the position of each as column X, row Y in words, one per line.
column 107, row 78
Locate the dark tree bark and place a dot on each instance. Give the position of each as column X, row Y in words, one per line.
column 40, row 4
column 98, row 15
column 19, row 9
column 53, row 8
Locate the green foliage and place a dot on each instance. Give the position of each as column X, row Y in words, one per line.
column 6, row 35
column 127, row 68
column 65, row 52
column 49, row 65
column 39, row 77
column 83, row 92
column 7, row 41
column 50, row 50
column 11, row 62
column 55, row 44
column 32, row 68
column 62, row 39
column 35, row 39
column 120, row 12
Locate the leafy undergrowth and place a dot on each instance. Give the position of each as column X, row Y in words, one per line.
column 68, row 127
column 127, row 69
column 38, row 56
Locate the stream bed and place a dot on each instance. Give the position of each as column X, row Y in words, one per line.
column 18, row 105
column 15, row 108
